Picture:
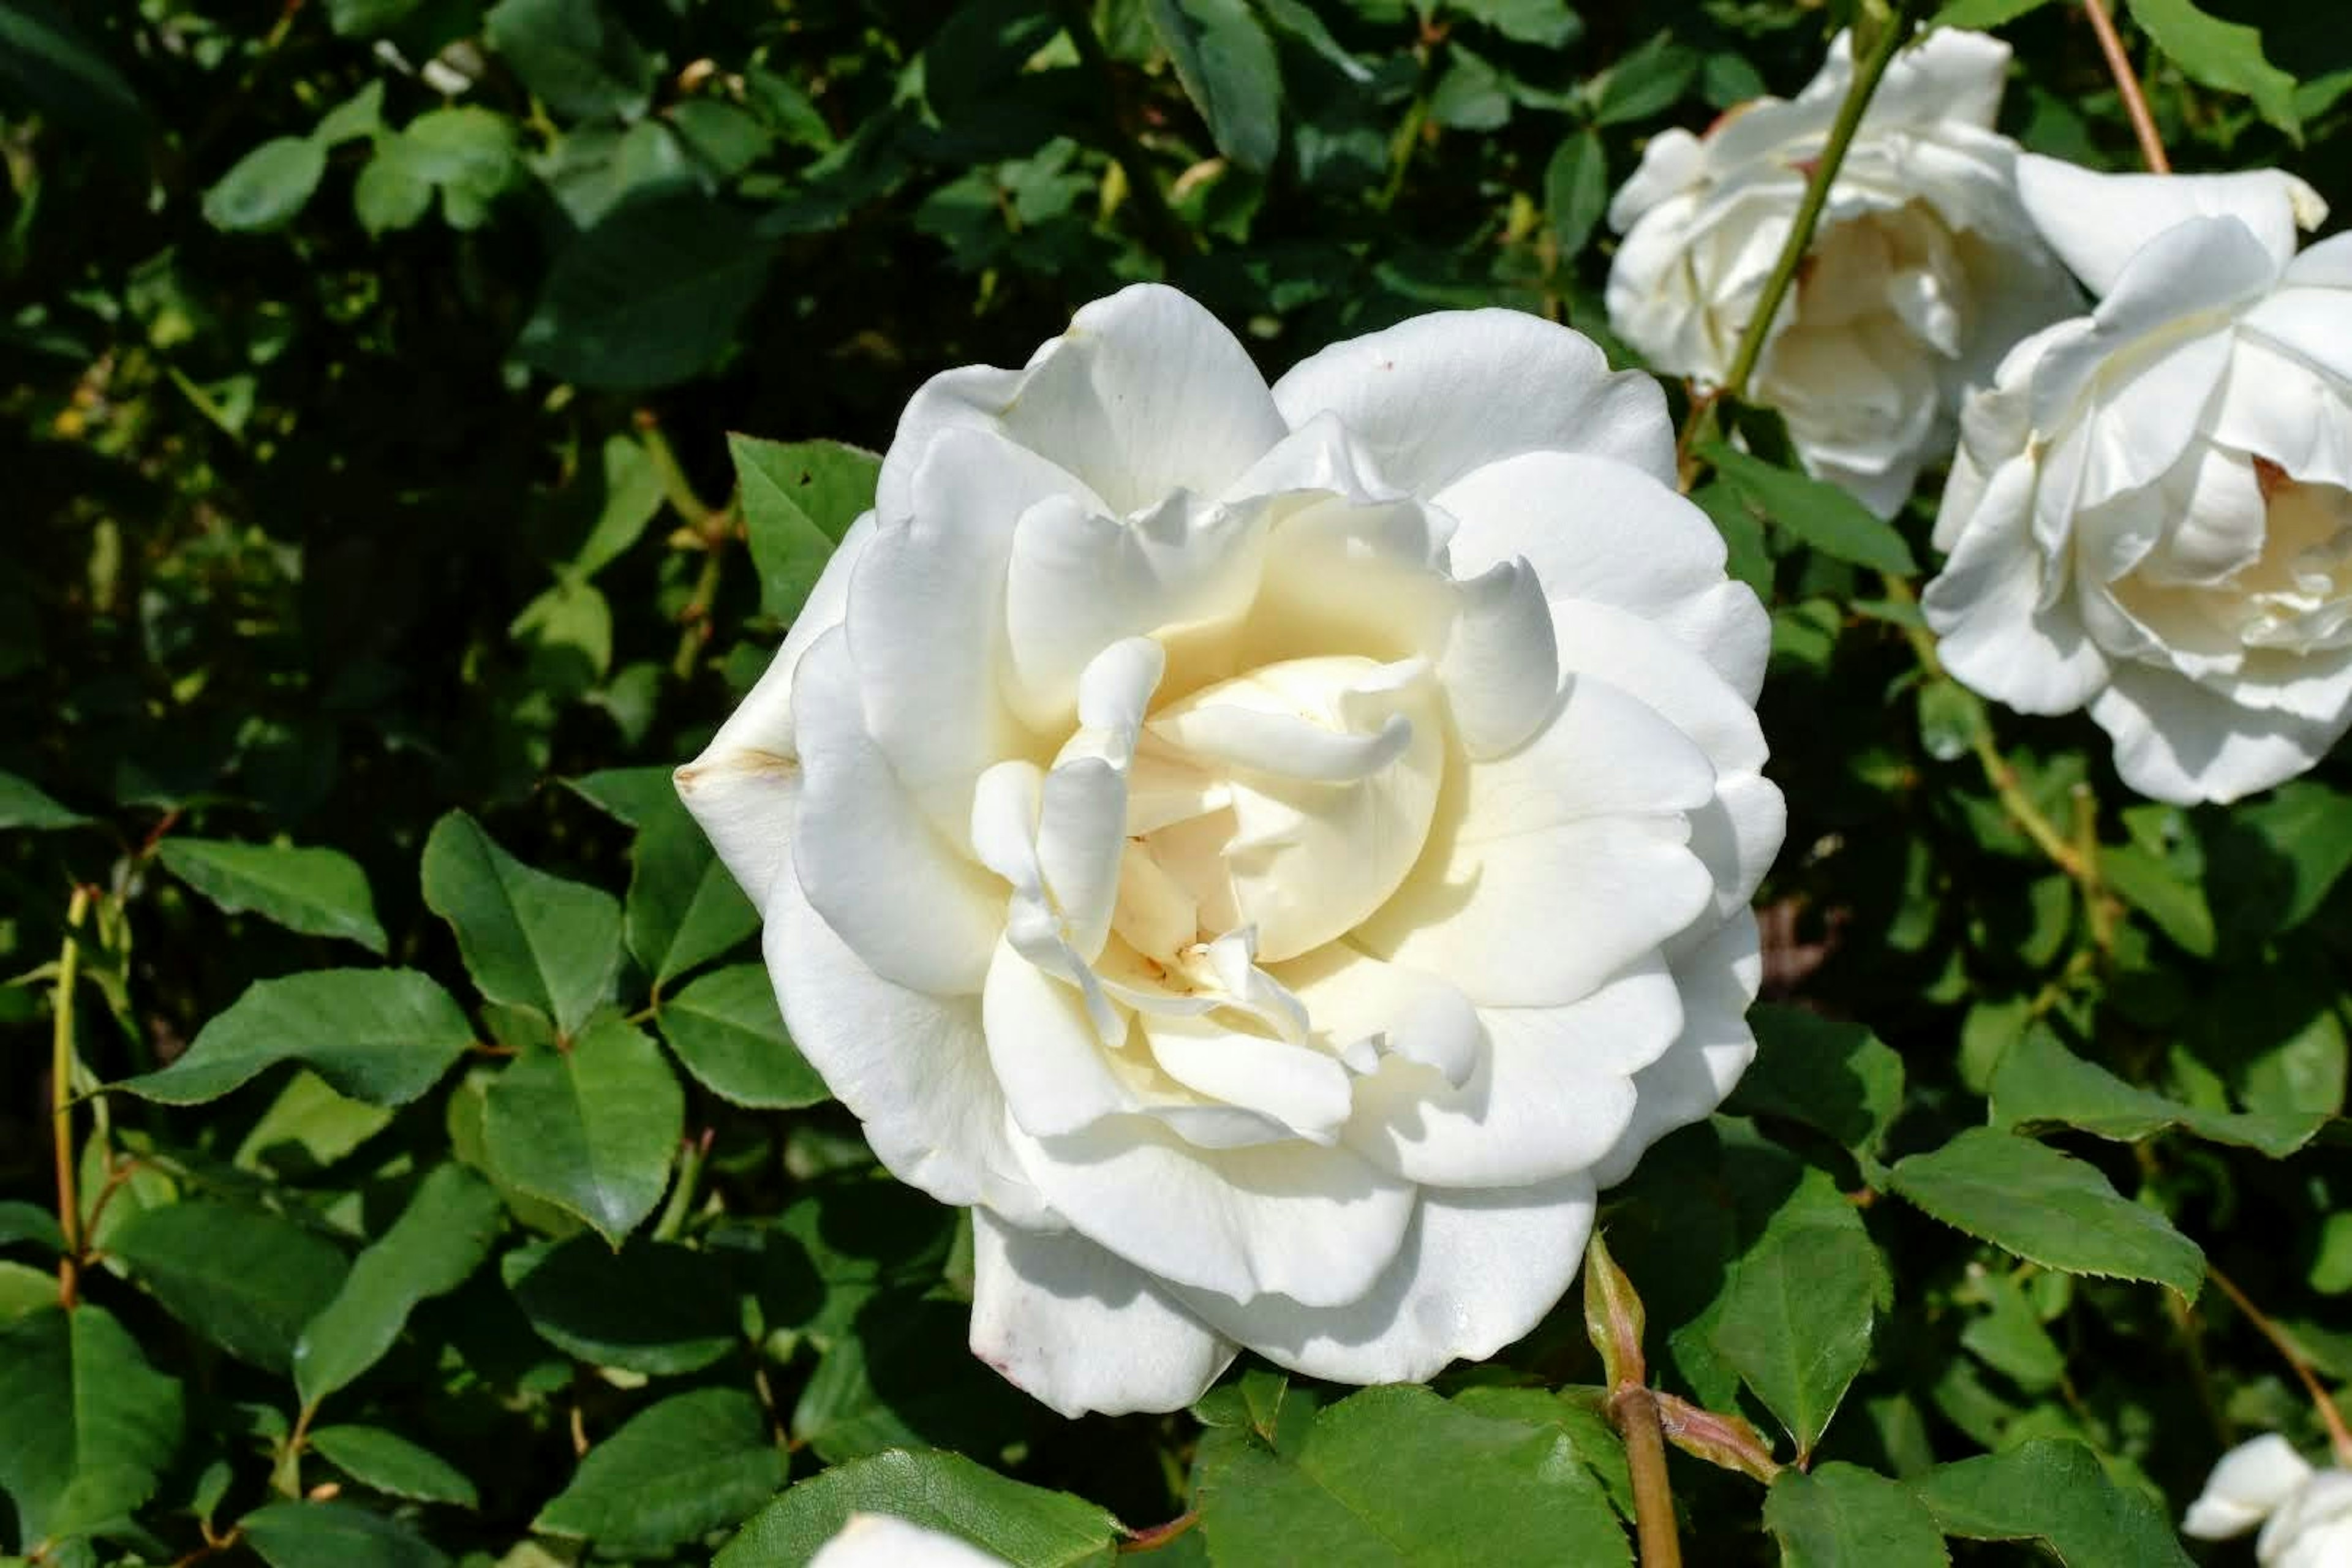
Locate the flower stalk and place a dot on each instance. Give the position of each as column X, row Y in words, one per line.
column 1613, row 1319
column 1867, row 73
column 2339, row 1436
column 2143, row 123
column 61, row 1064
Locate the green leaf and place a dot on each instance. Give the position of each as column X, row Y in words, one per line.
column 25, row 1290
column 2272, row 862
column 1298, row 19
column 320, row 892
column 308, row 1127
column 383, row 1036
column 268, row 186
column 30, row 1222
column 2048, row 1208
column 2009, row 1338
column 631, row 796
column 592, row 1129
column 466, row 153
column 684, row 908
column 650, row 295
column 1836, row 1077
column 1027, row 1526
column 2053, row 1491
column 1546, row 24
column 356, row 118
column 45, row 63
column 726, row 1030
column 390, row 194
column 1646, row 80
column 904, row 1376
column 2041, row 1083
column 1795, row 1321
column 1399, row 1475
column 22, row 806
column 2175, row 903
column 799, row 498
column 573, row 55
column 2223, row 54
column 632, row 499
column 386, row 1462
column 1576, row 191
column 368, row 19
column 653, row 1308
column 91, row 1425
column 439, row 1240
column 335, row 1535
column 1842, row 1516
column 673, row 1473
column 245, row 1278
column 529, row 939
column 1982, row 16
column 1227, row 66
column 1822, row 515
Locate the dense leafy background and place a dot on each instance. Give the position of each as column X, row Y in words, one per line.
column 374, row 540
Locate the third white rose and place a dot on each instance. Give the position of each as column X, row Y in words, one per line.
column 1923, row 272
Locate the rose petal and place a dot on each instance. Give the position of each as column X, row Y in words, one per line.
column 1080, row 1329
column 1318, row 1225
column 1716, row 983
column 2248, row 1484
column 1441, row 395
column 1476, row 1271
column 2097, row 223
column 912, row 1067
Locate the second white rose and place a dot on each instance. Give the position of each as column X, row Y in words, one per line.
column 1922, row 273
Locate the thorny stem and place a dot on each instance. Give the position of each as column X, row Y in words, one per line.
column 1168, row 237
column 1407, row 138
column 2340, row 1437
column 2143, row 123
column 62, row 1062
column 2065, row 854
column 1866, row 75
column 1159, row 1536
column 1635, row 1411
column 287, row 1477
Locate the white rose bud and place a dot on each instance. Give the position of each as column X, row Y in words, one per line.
column 1271, row 853
column 1922, row 273
column 885, row 1540
column 2306, row 1513
column 2151, row 509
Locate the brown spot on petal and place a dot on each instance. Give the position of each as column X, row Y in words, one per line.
column 2270, row 478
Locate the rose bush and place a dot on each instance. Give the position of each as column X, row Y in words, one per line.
column 2306, row 1513
column 2151, row 509
column 1922, row 274
column 1271, row 853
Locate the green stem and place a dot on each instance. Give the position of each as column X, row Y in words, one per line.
column 1636, row 1411
column 2020, row 809
column 699, row 514
column 1866, row 75
column 1407, row 139
column 682, row 1191
column 1161, row 229
column 696, row 617
column 61, row 1064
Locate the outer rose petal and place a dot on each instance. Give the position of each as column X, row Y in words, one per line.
column 1986, row 608
column 1477, row 1271
column 1318, row 1225
column 1146, row 393
column 2313, row 1529
column 745, row 787
column 2096, row 222
column 1080, row 1329
column 885, row 1540
column 2245, row 1487
column 912, row 1067
column 2179, row 741
column 1437, row 396
column 1699, row 1069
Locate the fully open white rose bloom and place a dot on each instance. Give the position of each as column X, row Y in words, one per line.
column 1921, row 275
column 2306, row 1513
column 1269, row 853
column 2151, row 509
column 885, row 1540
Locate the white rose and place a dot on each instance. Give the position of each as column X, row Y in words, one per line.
column 2151, row 510
column 885, row 1540
column 1269, row 853
column 1922, row 272
column 2309, row 1512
